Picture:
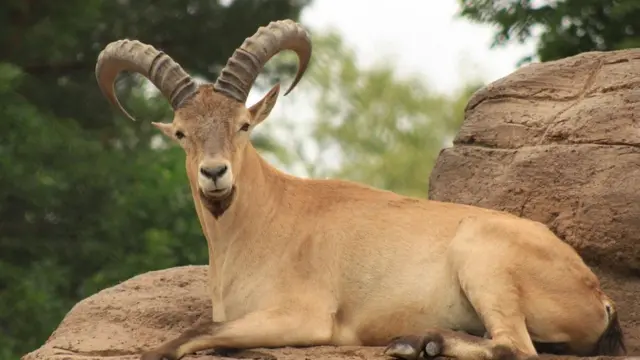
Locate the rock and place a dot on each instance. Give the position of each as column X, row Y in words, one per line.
column 559, row 142
column 120, row 321
column 140, row 313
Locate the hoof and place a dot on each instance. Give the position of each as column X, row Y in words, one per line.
column 414, row 347
column 433, row 348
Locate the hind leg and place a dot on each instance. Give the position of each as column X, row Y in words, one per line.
column 505, row 325
column 437, row 343
column 475, row 257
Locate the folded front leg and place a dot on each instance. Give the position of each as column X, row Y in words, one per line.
column 294, row 326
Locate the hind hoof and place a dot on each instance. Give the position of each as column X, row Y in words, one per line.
column 413, row 347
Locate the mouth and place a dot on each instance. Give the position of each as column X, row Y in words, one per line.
column 217, row 193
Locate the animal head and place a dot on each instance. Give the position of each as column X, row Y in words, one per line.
column 211, row 122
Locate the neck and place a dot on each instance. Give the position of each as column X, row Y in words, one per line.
column 258, row 189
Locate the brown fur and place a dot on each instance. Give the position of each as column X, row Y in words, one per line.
column 299, row 262
column 217, row 207
column 303, row 262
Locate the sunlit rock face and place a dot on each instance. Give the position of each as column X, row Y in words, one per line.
column 559, row 142
column 120, row 322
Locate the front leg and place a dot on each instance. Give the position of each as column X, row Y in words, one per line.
column 293, row 326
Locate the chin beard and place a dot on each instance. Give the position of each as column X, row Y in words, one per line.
column 218, row 205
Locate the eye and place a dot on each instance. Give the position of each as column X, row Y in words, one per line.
column 245, row 127
column 179, row 134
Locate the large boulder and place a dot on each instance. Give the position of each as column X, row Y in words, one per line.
column 559, row 142
column 138, row 314
column 120, row 322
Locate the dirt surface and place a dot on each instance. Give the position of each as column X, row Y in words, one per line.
column 557, row 142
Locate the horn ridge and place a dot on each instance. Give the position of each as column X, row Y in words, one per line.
column 243, row 67
column 132, row 55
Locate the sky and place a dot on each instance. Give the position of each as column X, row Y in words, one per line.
column 420, row 36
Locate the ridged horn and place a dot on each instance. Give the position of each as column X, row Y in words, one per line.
column 132, row 55
column 243, row 67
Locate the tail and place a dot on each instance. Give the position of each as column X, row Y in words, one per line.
column 611, row 341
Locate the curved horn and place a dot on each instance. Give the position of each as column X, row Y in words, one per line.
column 242, row 69
column 132, row 55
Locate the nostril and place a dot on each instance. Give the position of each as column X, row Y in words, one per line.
column 214, row 172
column 220, row 170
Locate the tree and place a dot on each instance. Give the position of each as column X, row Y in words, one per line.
column 86, row 200
column 370, row 124
column 566, row 27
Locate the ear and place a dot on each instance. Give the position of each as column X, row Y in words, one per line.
column 167, row 129
column 260, row 110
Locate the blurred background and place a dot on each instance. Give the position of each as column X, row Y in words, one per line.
column 89, row 198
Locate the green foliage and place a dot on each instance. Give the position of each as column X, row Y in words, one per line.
column 567, row 27
column 387, row 129
column 89, row 199
column 86, row 201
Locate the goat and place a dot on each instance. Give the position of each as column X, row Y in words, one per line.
column 310, row 262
